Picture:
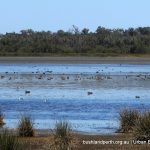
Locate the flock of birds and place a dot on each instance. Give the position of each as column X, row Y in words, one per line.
column 96, row 76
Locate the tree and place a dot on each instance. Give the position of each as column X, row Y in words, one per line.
column 85, row 31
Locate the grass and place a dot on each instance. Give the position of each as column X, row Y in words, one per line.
column 128, row 120
column 62, row 136
column 25, row 127
column 41, row 142
column 142, row 127
column 59, row 54
column 9, row 141
column 73, row 54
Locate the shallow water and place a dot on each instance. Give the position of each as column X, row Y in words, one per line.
column 61, row 92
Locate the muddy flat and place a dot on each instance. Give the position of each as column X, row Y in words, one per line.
column 77, row 60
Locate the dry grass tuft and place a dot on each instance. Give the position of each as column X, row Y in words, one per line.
column 25, row 127
column 128, row 120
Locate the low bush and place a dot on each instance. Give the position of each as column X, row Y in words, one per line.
column 128, row 120
column 142, row 127
column 62, row 136
column 25, row 127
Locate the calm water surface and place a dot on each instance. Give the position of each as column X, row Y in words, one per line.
column 89, row 96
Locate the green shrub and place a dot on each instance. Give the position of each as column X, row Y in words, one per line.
column 8, row 141
column 128, row 120
column 142, row 127
column 25, row 127
column 62, row 136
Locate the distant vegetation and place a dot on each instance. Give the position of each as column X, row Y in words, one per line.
column 75, row 42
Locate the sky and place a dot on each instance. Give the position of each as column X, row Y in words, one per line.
column 52, row 15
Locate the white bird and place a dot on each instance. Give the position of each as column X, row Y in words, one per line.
column 20, row 98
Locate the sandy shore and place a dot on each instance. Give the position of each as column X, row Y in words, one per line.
column 84, row 142
column 44, row 138
column 77, row 60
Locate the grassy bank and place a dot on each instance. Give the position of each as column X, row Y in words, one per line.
column 74, row 54
column 60, row 54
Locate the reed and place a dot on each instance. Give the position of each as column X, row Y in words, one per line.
column 25, row 127
column 62, row 136
column 128, row 120
column 8, row 141
column 142, row 127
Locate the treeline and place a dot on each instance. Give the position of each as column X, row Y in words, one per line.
column 74, row 41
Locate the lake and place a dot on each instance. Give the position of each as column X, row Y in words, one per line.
column 89, row 96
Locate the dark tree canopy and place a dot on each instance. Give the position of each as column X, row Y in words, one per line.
column 74, row 41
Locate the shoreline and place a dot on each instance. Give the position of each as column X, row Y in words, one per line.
column 76, row 60
column 46, row 132
column 42, row 141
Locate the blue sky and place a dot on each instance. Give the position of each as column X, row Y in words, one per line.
column 52, row 15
